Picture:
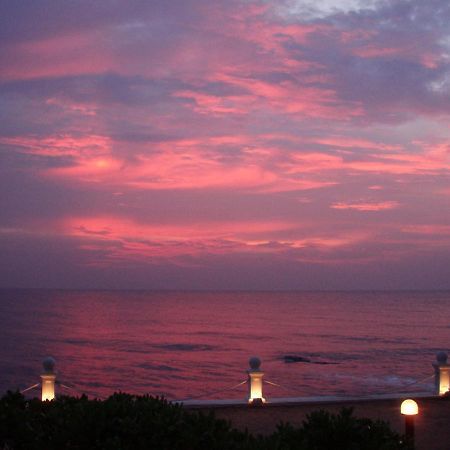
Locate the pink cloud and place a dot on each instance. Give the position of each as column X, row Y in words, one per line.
column 111, row 227
column 433, row 159
column 293, row 98
column 121, row 239
column 183, row 164
column 407, row 51
column 366, row 206
column 130, row 136
column 428, row 229
column 126, row 48
column 198, row 163
column 372, row 51
column 69, row 53
column 354, row 143
column 61, row 145
column 127, row 239
column 216, row 104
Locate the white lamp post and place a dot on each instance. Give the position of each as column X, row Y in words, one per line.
column 48, row 379
column 409, row 409
column 255, row 382
column 441, row 373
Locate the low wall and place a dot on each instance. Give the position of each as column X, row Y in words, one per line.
column 432, row 423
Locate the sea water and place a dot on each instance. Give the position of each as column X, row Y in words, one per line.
column 185, row 345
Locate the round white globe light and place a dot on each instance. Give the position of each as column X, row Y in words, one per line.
column 409, row 408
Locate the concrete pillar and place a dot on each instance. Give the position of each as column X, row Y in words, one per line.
column 48, row 379
column 255, row 382
column 441, row 373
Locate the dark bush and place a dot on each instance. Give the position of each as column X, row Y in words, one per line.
column 126, row 421
column 324, row 431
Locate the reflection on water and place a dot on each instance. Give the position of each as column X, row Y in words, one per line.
column 183, row 344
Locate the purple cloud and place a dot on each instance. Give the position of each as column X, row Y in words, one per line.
column 188, row 139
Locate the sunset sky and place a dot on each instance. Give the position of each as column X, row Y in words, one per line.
column 230, row 144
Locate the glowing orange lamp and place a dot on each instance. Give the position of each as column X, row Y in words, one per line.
column 409, row 409
column 255, row 382
column 48, row 379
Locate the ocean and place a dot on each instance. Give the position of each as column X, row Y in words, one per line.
column 184, row 345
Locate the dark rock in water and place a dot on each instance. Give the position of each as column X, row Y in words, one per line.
column 294, row 358
column 323, row 362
